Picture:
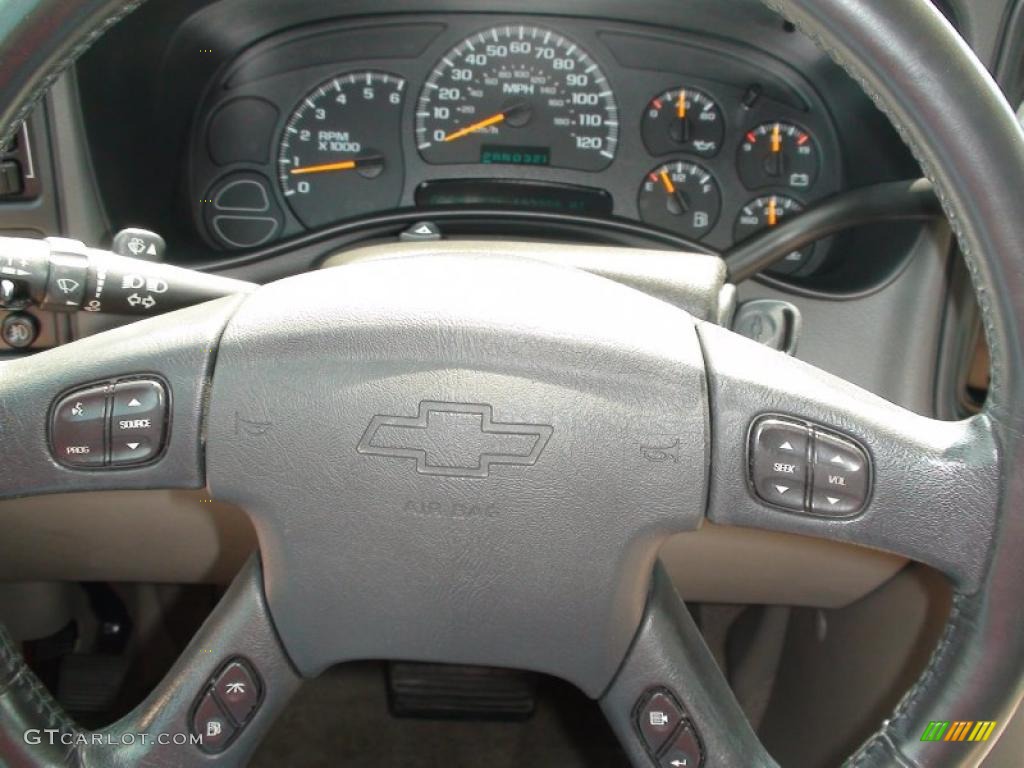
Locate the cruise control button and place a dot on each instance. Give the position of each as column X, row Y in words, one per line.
column 78, row 429
column 211, row 724
column 778, row 462
column 237, row 689
column 138, row 413
column 840, row 476
column 657, row 719
column 684, row 752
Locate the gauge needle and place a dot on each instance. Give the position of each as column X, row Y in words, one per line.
column 666, row 182
column 485, row 123
column 684, row 124
column 673, row 192
column 773, row 213
column 344, row 165
column 774, row 161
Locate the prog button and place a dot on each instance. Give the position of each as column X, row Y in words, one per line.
column 78, row 428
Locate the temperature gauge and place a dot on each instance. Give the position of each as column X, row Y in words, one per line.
column 682, row 197
column 764, row 213
column 780, row 155
column 683, row 120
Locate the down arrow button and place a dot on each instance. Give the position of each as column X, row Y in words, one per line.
column 138, row 421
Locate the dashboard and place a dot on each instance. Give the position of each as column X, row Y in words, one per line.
column 262, row 143
column 705, row 139
column 185, row 97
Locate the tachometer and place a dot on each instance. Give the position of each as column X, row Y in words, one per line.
column 341, row 152
column 518, row 95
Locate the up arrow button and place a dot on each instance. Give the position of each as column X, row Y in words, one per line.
column 138, row 421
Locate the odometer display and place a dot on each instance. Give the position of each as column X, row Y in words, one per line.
column 517, row 87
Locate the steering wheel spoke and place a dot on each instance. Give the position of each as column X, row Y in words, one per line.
column 898, row 481
column 670, row 695
column 174, row 353
column 212, row 708
column 205, row 711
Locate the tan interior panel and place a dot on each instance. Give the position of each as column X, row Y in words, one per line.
column 184, row 537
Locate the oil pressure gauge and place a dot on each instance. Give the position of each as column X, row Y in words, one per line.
column 683, row 119
column 778, row 155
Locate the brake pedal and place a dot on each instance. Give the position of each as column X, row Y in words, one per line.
column 449, row 691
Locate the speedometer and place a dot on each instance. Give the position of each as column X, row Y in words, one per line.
column 518, row 95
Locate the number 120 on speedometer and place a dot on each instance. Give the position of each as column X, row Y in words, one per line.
column 517, row 92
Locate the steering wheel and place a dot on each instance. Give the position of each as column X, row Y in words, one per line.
column 474, row 458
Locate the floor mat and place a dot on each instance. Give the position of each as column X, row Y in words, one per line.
column 342, row 718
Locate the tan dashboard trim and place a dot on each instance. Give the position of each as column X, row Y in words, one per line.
column 183, row 537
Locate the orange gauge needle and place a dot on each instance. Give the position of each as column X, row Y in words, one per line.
column 681, row 105
column 343, row 165
column 474, row 127
column 773, row 214
column 494, row 119
column 674, row 193
column 776, row 139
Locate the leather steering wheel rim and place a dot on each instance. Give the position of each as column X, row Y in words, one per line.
column 912, row 63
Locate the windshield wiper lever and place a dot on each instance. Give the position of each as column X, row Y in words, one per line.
column 63, row 275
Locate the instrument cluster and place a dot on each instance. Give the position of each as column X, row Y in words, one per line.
column 710, row 141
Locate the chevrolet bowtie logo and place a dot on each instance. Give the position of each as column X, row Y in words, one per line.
column 454, row 439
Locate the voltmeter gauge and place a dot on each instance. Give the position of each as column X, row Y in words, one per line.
column 766, row 212
column 778, row 155
column 682, row 197
column 683, row 120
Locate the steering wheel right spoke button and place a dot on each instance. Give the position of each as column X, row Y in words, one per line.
column 667, row 733
column 779, row 461
column 683, row 751
column 657, row 718
column 841, row 476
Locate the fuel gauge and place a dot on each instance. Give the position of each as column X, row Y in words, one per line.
column 766, row 212
column 778, row 154
column 682, row 197
column 683, row 120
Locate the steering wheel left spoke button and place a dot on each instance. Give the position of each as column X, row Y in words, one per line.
column 657, row 718
column 138, row 416
column 212, row 725
column 778, row 461
column 78, row 428
column 237, row 688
